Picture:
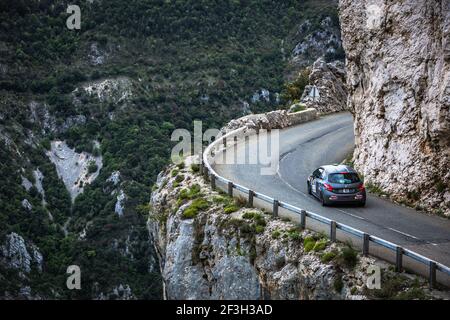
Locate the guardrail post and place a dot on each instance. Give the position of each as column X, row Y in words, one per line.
column 399, row 259
column 230, row 188
column 205, row 171
column 432, row 274
column 251, row 194
column 275, row 207
column 366, row 241
column 333, row 231
column 212, row 179
column 302, row 219
column 213, row 182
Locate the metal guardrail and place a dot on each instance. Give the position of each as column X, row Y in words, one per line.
column 230, row 139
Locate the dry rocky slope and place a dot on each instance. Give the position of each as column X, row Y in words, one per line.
column 398, row 69
column 213, row 247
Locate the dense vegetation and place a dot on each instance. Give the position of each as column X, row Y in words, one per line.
column 185, row 60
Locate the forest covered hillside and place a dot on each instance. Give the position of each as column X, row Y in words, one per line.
column 110, row 95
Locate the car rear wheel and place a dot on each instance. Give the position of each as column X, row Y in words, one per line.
column 322, row 199
column 361, row 204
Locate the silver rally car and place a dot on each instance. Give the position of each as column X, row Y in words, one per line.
column 337, row 184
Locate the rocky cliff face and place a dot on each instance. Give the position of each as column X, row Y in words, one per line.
column 212, row 247
column 24, row 257
column 398, row 66
column 329, row 80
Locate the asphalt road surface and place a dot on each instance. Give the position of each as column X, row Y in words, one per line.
column 329, row 140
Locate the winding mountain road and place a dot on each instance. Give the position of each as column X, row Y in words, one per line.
column 329, row 140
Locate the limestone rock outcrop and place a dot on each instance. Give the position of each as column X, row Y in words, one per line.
column 329, row 79
column 277, row 119
column 398, row 72
column 17, row 254
column 210, row 247
column 74, row 168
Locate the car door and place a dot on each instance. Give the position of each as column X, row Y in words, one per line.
column 315, row 181
column 319, row 181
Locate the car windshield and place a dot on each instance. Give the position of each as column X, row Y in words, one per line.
column 343, row 178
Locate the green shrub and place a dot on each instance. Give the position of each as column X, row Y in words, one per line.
column 309, row 246
column 294, row 235
column 338, row 283
column 321, row 236
column 247, row 228
column 45, row 143
column 349, row 257
column 232, row 223
column 293, row 91
column 184, row 194
column 92, row 167
column 195, row 167
column 328, row 256
column 440, row 186
column 178, row 180
column 196, row 206
column 259, row 220
column 276, row 234
column 392, row 285
column 181, row 165
column 190, row 213
column 230, row 208
column 222, row 199
column 259, row 229
column 96, row 152
column 320, row 245
column 249, row 215
column 91, row 253
column 191, row 193
column 174, row 172
column 412, row 294
column 308, row 239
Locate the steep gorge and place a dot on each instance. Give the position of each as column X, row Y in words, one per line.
column 110, row 95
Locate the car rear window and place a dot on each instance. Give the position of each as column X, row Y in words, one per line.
column 344, row 178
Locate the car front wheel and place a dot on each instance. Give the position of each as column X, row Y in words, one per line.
column 309, row 187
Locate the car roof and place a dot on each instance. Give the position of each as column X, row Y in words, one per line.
column 337, row 168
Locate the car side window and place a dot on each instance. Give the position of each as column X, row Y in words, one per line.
column 316, row 173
